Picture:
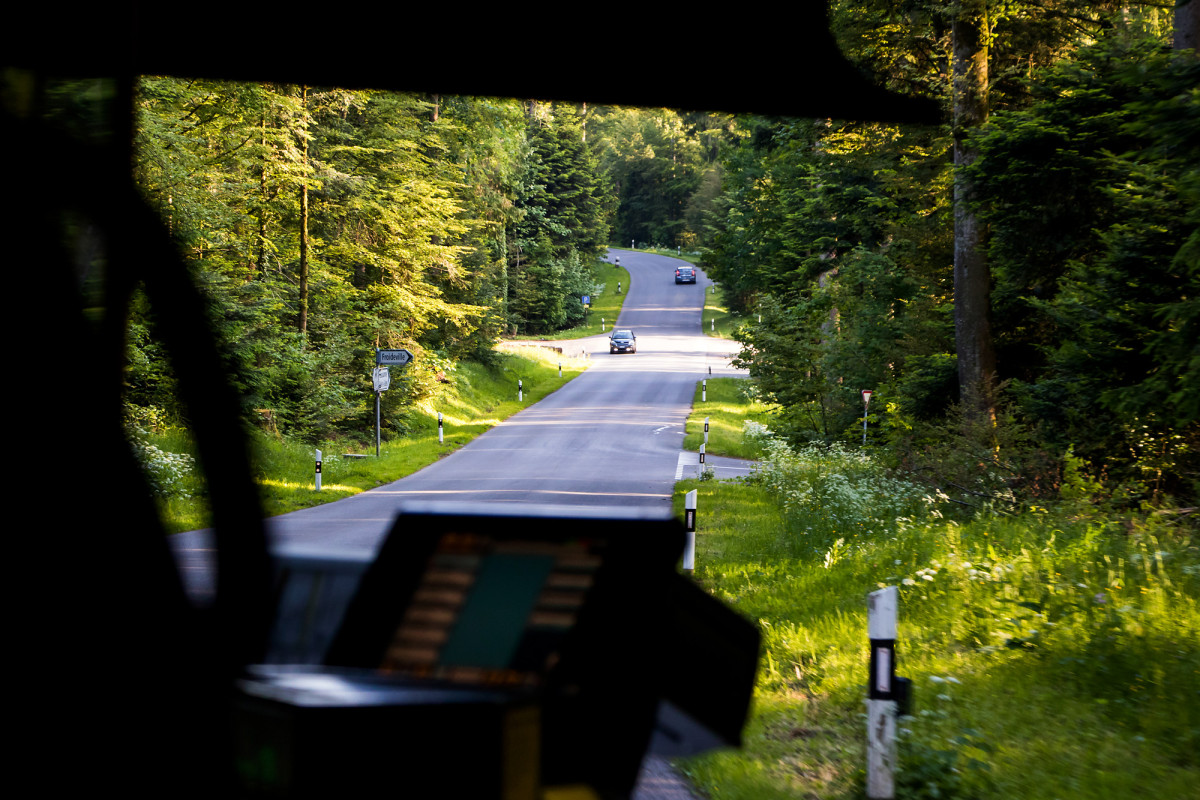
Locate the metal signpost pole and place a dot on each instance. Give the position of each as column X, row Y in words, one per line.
column 382, row 379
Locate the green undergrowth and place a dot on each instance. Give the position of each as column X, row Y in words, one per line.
column 1054, row 652
column 731, row 402
column 476, row 399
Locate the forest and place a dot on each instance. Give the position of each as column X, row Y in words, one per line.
column 1017, row 286
column 324, row 223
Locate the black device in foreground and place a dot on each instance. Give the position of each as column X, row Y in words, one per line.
column 490, row 651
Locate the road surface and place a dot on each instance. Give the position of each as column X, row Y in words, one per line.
column 611, row 437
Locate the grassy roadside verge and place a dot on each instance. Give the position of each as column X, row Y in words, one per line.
column 728, row 406
column 689, row 257
column 606, row 305
column 1054, row 652
column 477, row 400
column 715, row 310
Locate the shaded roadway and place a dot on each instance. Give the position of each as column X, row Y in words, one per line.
column 610, row 437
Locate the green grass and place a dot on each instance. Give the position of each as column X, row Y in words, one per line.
column 1054, row 653
column 670, row 252
column 728, row 406
column 477, row 399
column 716, row 311
column 606, row 305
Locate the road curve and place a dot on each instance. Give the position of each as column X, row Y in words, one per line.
column 611, row 437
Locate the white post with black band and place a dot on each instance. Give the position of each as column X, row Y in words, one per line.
column 689, row 521
column 881, row 696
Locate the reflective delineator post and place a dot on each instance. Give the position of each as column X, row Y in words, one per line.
column 866, row 401
column 689, row 521
column 704, row 390
column 560, row 369
column 881, row 702
column 440, row 427
column 318, row 471
column 714, row 323
column 520, row 391
column 706, row 419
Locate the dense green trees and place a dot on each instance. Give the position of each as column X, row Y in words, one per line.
column 562, row 226
column 325, row 223
column 662, row 167
column 1082, row 191
column 1092, row 197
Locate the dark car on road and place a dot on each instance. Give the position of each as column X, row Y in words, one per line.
column 685, row 275
column 622, row 340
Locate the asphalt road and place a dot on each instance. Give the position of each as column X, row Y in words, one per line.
column 611, row 437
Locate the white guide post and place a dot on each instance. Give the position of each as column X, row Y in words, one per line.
column 706, row 419
column 689, row 550
column 520, row 391
column 318, row 470
column 704, row 391
column 881, row 704
column 439, row 427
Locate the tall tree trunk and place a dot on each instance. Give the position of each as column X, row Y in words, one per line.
column 972, row 277
column 302, row 321
column 1187, row 25
column 261, row 259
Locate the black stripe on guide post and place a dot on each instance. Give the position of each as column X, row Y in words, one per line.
column 689, row 520
column 882, row 680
